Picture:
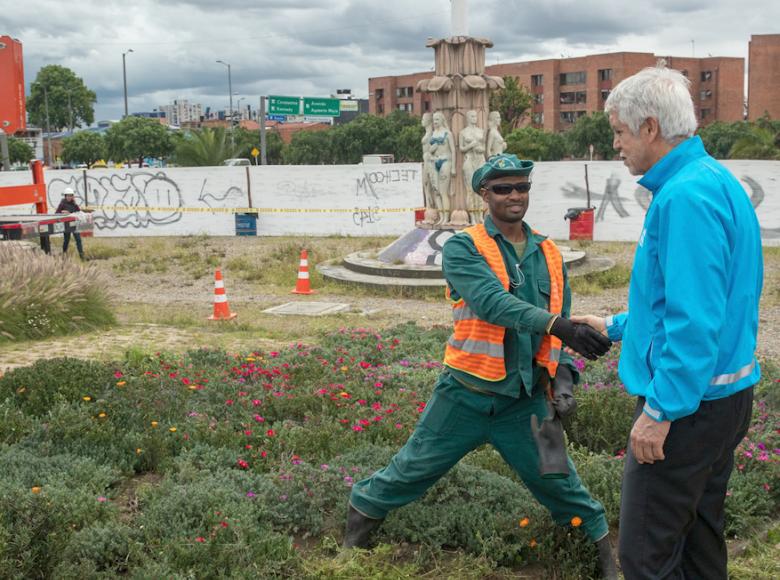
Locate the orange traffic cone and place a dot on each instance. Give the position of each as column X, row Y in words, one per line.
column 302, row 286
column 221, row 308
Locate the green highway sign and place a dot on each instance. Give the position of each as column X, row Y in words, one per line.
column 321, row 107
column 284, row 105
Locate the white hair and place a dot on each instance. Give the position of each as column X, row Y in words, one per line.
column 657, row 92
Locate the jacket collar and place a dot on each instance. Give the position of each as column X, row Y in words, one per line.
column 666, row 167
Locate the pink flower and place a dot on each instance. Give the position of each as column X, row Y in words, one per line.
column 229, row 402
column 365, row 365
column 378, row 385
column 270, row 433
column 256, row 402
column 259, row 419
column 376, row 406
column 200, row 539
column 398, row 426
column 247, row 432
column 118, row 375
column 243, row 464
column 357, row 428
column 102, row 499
column 250, row 494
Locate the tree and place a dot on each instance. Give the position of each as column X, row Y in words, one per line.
column 204, row 147
column 536, row 144
column 513, row 102
column 248, row 140
column 593, row 129
column 136, row 138
column 19, row 151
column 719, row 137
column 84, row 147
column 70, row 101
column 309, row 148
column 759, row 143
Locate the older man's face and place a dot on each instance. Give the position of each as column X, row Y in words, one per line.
column 507, row 198
column 634, row 150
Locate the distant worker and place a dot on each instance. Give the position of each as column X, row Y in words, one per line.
column 69, row 205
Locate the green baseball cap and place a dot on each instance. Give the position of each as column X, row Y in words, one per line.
column 500, row 166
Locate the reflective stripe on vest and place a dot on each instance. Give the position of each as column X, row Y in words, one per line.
column 476, row 347
column 549, row 352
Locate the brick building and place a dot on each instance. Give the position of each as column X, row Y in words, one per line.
column 564, row 89
column 764, row 76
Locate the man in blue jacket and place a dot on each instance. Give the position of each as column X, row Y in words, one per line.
column 689, row 334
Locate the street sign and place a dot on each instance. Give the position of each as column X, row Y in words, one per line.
column 321, row 107
column 277, row 118
column 348, row 105
column 284, row 105
column 255, row 152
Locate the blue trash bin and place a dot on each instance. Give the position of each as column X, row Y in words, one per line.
column 246, row 224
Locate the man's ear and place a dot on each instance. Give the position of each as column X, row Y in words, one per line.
column 652, row 128
column 483, row 193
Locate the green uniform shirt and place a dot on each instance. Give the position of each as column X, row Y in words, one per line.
column 522, row 310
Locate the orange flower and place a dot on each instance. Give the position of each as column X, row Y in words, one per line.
column 121, row 383
column 102, row 415
column 532, row 543
column 524, row 522
column 576, row 521
column 36, row 489
column 86, row 398
column 154, row 423
column 138, row 451
column 344, row 369
column 172, row 429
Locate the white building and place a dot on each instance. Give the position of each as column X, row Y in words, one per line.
column 181, row 111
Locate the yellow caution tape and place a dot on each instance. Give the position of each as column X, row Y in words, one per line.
column 258, row 210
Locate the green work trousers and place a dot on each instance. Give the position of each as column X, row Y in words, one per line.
column 457, row 420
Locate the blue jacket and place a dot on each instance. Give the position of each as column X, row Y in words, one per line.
column 689, row 334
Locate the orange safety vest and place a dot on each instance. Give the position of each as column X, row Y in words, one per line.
column 476, row 347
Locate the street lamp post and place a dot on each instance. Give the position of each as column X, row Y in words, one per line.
column 230, row 95
column 48, row 129
column 124, row 75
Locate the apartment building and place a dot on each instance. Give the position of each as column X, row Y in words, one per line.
column 764, row 76
column 565, row 89
column 181, row 111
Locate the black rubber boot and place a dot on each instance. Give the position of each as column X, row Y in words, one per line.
column 551, row 443
column 359, row 529
column 607, row 559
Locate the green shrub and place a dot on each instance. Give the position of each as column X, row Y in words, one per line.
column 42, row 296
column 102, row 547
column 603, row 418
column 48, row 382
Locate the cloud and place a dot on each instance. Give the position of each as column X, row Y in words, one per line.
column 312, row 47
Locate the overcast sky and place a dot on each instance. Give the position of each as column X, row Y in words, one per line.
column 313, row 47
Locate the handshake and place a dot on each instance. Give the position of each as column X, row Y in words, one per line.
column 580, row 335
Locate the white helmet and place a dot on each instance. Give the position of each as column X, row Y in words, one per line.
column 68, row 191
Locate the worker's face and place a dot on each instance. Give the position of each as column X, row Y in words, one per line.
column 635, row 150
column 505, row 202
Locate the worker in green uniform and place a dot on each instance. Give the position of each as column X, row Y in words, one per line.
column 511, row 302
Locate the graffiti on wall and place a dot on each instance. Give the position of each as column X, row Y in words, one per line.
column 135, row 200
column 642, row 196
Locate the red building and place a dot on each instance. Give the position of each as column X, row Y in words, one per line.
column 13, row 112
column 764, row 79
column 565, row 89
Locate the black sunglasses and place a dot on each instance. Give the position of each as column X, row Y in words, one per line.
column 506, row 188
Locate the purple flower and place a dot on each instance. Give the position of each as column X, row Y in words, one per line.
column 283, row 497
column 250, row 494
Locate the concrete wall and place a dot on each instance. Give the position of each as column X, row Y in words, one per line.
column 357, row 200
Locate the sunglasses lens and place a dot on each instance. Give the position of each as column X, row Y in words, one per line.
column 502, row 189
column 506, row 188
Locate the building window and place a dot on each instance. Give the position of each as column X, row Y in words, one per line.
column 380, row 109
column 379, row 93
column 605, row 94
column 538, row 118
column 605, row 74
column 574, row 78
column 684, row 72
column 571, row 98
column 706, row 75
column 404, row 92
column 427, row 106
column 705, row 113
column 408, row 107
column 571, row 116
column 537, row 80
column 705, row 94
column 539, row 98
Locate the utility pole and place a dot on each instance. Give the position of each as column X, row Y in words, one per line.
column 124, row 75
column 263, row 157
column 48, row 129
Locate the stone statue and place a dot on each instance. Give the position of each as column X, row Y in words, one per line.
column 472, row 144
column 431, row 209
column 443, row 157
column 495, row 142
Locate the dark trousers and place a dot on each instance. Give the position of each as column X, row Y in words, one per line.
column 66, row 242
column 671, row 512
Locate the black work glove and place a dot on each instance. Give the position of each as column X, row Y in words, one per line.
column 563, row 392
column 580, row 337
column 551, row 443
